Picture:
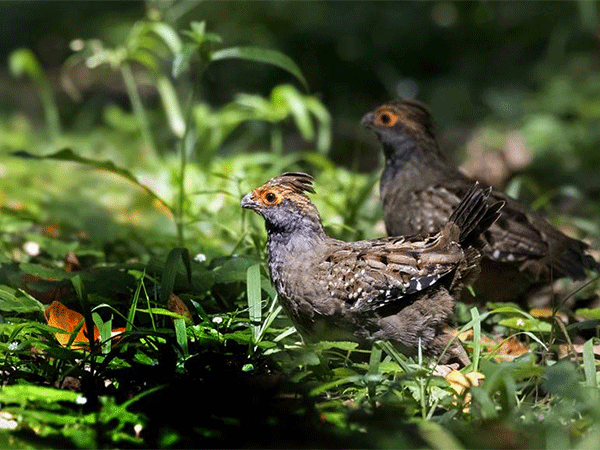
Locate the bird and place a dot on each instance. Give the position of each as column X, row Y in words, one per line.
column 419, row 189
column 400, row 289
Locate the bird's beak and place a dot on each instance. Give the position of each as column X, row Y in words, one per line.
column 248, row 202
column 367, row 120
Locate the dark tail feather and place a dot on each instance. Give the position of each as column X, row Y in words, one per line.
column 573, row 261
column 473, row 215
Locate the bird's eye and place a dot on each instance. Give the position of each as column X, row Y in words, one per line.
column 386, row 118
column 271, row 198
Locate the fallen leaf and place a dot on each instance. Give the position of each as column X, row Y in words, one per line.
column 72, row 263
column 547, row 313
column 59, row 316
column 460, row 382
column 176, row 305
column 565, row 350
column 503, row 349
column 51, row 230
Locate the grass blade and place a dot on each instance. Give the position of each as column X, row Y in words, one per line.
column 169, row 273
column 395, row 354
column 85, row 307
column 254, row 304
column 476, row 338
column 589, row 364
column 181, row 335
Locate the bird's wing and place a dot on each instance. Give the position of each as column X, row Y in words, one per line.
column 370, row 274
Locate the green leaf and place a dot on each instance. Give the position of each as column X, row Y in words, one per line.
column 438, row 437
column 395, row 354
column 199, row 34
column 105, row 330
column 167, row 281
column 341, row 345
column 181, row 60
column 476, row 338
column 18, row 301
column 524, row 324
column 46, row 273
column 171, row 104
column 24, row 393
column 161, row 312
column 563, row 379
column 23, row 62
column 181, row 335
column 168, row 35
column 295, row 101
column 589, row 363
column 375, row 358
column 261, row 55
column 68, row 155
column 589, row 313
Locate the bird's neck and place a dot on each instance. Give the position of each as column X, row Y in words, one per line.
column 409, row 160
column 291, row 243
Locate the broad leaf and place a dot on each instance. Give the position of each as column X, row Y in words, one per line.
column 68, row 155
column 171, row 104
column 261, row 55
column 533, row 325
column 589, row 313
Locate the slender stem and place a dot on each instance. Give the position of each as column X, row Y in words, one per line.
column 276, row 140
column 185, row 146
column 50, row 108
column 138, row 107
column 181, row 187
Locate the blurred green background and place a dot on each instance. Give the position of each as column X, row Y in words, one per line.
column 470, row 61
column 514, row 86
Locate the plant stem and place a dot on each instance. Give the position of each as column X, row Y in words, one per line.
column 276, row 140
column 138, row 107
column 185, row 146
column 50, row 108
column 181, row 188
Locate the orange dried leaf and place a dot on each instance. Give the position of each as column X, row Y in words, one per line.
column 565, row 350
column 59, row 316
column 459, row 382
column 52, row 230
column 504, row 350
column 541, row 313
column 510, row 349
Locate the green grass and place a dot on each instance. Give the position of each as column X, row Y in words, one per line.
column 232, row 372
column 238, row 362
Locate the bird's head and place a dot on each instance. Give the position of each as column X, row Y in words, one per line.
column 283, row 203
column 398, row 121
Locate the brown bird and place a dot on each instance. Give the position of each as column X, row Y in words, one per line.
column 419, row 190
column 398, row 289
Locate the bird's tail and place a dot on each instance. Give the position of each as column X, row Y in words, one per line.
column 474, row 215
